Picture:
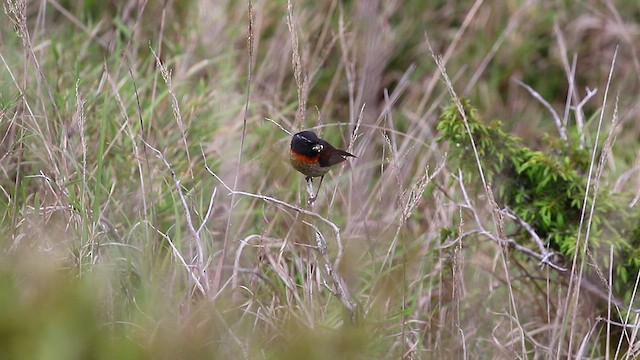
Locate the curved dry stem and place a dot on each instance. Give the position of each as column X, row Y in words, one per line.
column 340, row 289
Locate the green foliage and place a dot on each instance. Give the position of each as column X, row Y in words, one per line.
column 50, row 315
column 542, row 190
column 545, row 189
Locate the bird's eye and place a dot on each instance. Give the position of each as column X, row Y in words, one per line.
column 317, row 147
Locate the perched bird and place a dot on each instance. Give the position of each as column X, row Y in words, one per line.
column 314, row 157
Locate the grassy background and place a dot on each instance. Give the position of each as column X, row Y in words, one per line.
column 119, row 242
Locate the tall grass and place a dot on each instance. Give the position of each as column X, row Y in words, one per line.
column 148, row 210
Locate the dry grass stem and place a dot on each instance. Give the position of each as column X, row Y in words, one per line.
column 579, row 260
column 200, row 260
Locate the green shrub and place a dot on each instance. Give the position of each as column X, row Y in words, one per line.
column 547, row 190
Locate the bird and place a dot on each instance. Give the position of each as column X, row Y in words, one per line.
column 314, row 157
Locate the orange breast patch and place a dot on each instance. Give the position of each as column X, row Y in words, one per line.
column 302, row 158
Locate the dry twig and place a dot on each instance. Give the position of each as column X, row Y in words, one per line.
column 341, row 291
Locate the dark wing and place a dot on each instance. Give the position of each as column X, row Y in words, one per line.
column 331, row 156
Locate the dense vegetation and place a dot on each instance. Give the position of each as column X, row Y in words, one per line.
column 147, row 209
column 547, row 191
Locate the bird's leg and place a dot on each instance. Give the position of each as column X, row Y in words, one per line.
column 310, row 189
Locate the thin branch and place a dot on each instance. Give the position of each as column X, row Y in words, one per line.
column 340, row 289
column 580, row 114
column 543, row 257
column 209, row 210
column 556, row 118
column 200, row 261
column 179, row 256
column 279, row 126
column 510, row 213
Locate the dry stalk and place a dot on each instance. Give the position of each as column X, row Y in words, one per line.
column 543, row 256
column 200, row 260
column 341, row 291
column 411, row 199
column 178, row 255
column 166, row 75
column 579, row 260
column 495, row 211
column 339, row 287
column 562, row 130
column 296, row 62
